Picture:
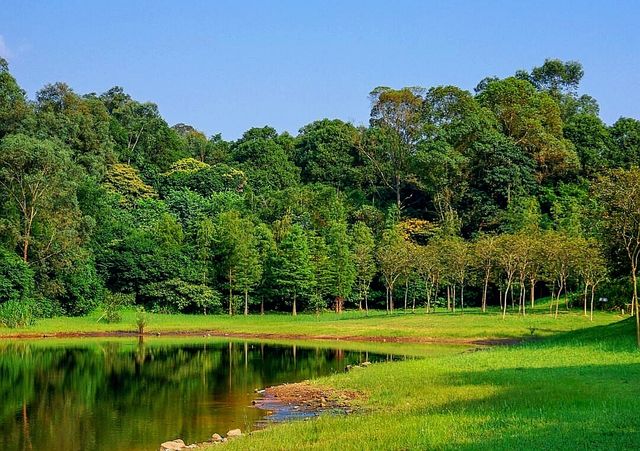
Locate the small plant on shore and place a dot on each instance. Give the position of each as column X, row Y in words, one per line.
column 16, row 314
column 142, row 319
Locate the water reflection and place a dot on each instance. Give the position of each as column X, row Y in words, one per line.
column 134, row 395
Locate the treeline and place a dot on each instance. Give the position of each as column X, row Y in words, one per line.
column 509, row 192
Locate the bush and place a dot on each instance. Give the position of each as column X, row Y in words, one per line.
column 176, row 295
column 46, row 308
column 83, row 289
column 16, row 314
column 16, row 278
column 113, row 304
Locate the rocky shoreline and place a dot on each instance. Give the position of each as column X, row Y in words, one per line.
column 285, row 402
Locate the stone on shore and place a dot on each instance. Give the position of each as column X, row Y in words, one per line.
column 216, row 438
column 173, row 445
column 234, row 433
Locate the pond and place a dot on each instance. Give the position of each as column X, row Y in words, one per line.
column 130, row 394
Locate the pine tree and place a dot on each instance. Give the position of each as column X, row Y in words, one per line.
column 293, row 272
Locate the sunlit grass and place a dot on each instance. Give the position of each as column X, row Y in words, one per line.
column 576, row 390
column 472, row 324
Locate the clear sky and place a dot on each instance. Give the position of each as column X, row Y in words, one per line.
column 228, row 66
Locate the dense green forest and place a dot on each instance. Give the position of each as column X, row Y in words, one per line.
column 447, row 199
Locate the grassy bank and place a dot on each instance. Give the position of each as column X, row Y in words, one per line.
column 575, row 390
column 472, row 324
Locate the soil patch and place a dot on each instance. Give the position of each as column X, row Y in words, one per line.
column 303, row 400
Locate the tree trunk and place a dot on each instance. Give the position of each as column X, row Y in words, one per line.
column 634, row 304
column 391, row 299
column 504, row 303
column 246, row 302
column 532, row 285
column 294, row 306
column 366, row 303
column 453, row 299
column 462, row 297
column 387, row 299
column 448, row 298
column 262, row 305
column 560, row 287
column 428, row 294
column 230, row 294
column 406, row 293
column 593, row 288
column 484, row 291
column 586, row 290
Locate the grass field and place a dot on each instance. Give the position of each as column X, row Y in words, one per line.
column 472, row 324
column 575, row 390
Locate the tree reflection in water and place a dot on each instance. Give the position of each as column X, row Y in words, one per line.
column 134, row 395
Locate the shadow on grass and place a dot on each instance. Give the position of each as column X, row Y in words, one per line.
column 557, row 406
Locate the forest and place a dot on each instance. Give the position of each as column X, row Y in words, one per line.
column 448, row 199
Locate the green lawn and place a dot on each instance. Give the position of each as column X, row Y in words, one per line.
column 469, row 325
column 575, row 390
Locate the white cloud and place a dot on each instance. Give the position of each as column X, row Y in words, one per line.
column 4, row 50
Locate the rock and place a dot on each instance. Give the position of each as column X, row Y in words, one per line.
column 365, row 364
column 173, row 445
column 192, row 446
column 216, row 438
column 234, row 433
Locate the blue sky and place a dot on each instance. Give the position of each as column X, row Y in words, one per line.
column 228, row 66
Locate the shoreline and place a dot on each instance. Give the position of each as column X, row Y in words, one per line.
column 266, row 336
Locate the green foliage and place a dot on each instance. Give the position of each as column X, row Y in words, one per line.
column 98, row 192
column 16, row 278
column 175, row 295
column 124, row 180
column 113, row 304
column 16, row 314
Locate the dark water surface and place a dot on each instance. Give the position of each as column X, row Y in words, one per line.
column 133, row 395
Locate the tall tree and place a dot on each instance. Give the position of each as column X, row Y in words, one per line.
column 37, row 177
column 342, row 266
column 619, row 195
column 293, row 272
column 363, row 247
column 396, row 116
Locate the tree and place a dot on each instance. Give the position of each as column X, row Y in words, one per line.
column 532, row 120
column 619, row 194
column 327, row 152
column 592, row 267
column 484, row 255
column 230, row 234
column 293, row 272
column 393, row 258
column 396, row 117
column 249, row 263
column 363, row 247
column 37, row 177
column 342, row 266
column 13, row 102
column 508, row 263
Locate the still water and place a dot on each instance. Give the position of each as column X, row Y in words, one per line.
column 133, row 395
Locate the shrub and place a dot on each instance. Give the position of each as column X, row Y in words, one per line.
column 16, row 278
column 176, row 295
column 46, row 308
column 16, row 314
column 112, row 306
column 142, row 319
column 83, row 288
